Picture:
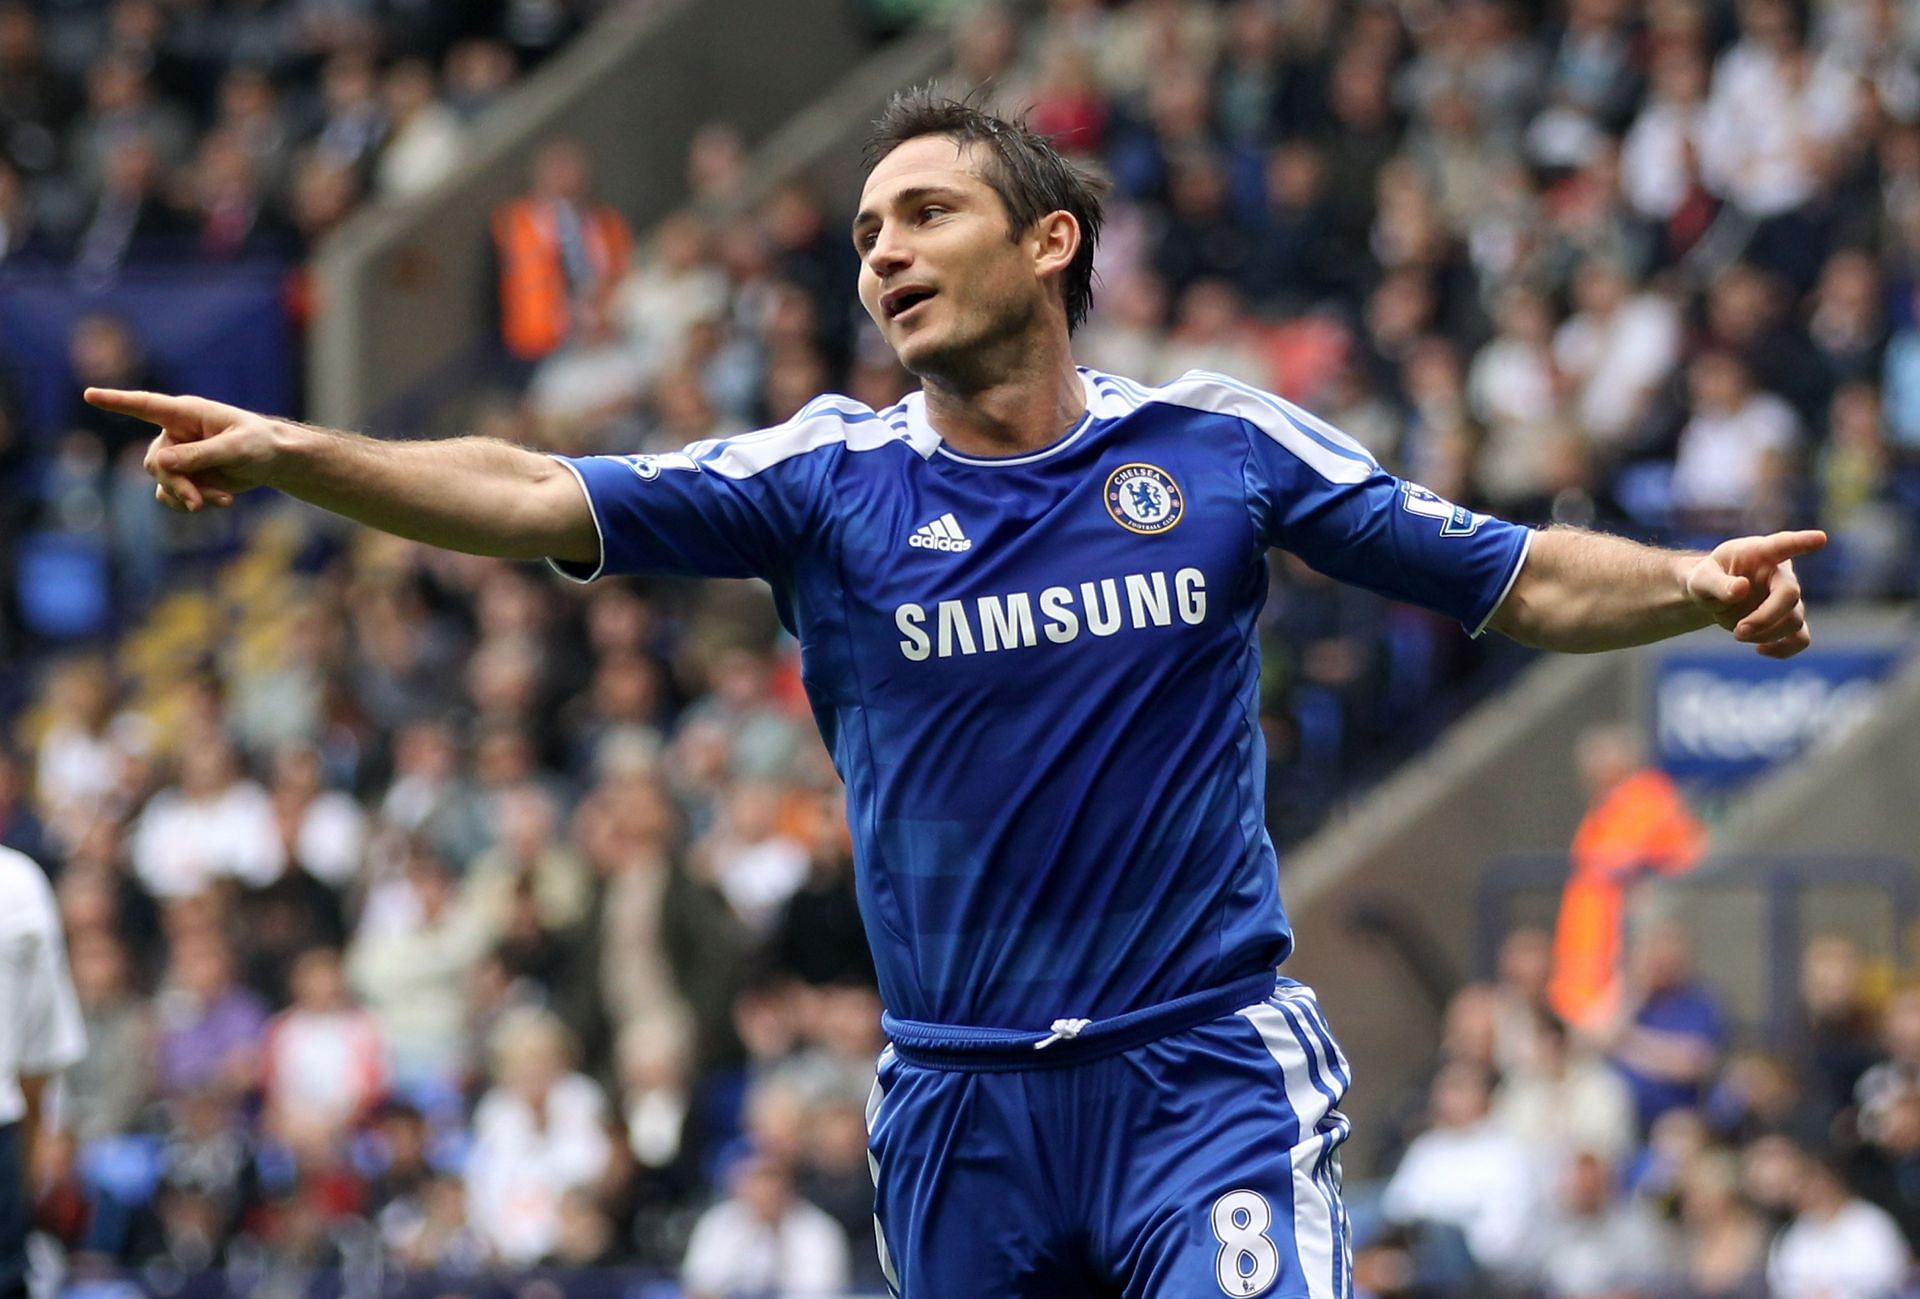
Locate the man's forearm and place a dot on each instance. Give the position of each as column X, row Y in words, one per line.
column 476, row 495
column 1581, row 592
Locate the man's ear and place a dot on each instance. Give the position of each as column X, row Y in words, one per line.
column 1056, row 240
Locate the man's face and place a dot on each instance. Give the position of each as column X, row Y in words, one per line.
column 938, row 272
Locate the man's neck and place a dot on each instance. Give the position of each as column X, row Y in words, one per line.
column 1021, row 409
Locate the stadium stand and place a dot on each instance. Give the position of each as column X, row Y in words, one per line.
column 431, row 918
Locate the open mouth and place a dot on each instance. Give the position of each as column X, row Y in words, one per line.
column 899, row 302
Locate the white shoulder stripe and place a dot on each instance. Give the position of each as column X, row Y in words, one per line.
column 1314, row 442
column 824, row 422
column 1317, row 444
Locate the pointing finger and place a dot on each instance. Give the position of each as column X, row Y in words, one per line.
column 153, row 407
column 1778, row 547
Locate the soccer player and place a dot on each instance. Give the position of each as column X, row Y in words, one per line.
column 1025, row 599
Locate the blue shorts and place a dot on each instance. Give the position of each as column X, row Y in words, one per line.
column 1202, row 1160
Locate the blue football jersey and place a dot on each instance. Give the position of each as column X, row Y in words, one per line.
column 1038, row 674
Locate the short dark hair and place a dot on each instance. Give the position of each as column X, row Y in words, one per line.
column 1031, row 176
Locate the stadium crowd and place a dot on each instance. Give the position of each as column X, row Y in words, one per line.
column 440, row 915
column 1650, row 1153
column 144, row 130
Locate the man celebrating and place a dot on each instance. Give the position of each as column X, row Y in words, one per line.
column 1026, row 598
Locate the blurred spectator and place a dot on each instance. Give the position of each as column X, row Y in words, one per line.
column 1468, row 1173
column 125, row 117
column 676, row 285
column 400, row 1170
column 1840, row 1026
column 250, row 112
column 527, row 855
column 1514, row 390
column 36, row 100
column 215, row 825
column 412, row 976
column 423, row 142
column 322, row 1060
column 354, row 122
column 716, row 167
column 842, row 1029
column 1896, row 1072
column 210, row 1027
column 1567, row 1103
column 131, row 219
column 430, row 795
column 748, row 854
column 21, row 236
column 104, row 352
column 1593, row 1245
column 587, row 393
column 819, row 936
column 586, row 1238
column 1758, row 1093
column 1128, row 334
column 559, row 252
column 229, row 209
column 1660, row 158
column 539, row 1132
column 323, row 831
column 208, row 1177
column 1846, row 322
column 628, row 830
column 1725, row 1241
column 1776, row 112
column 1837, row 1246
column 1668, row 1033
column 834, row 1176
column 763, row 1239
column 1204, row 238
column 1636, row 825
column 665, row 1131
column 478, row 72
column 107, row 1090
column 440, row 1238
column 1615, row 351
column 1212, row 332
column 1855, row 477
column 1735, row 451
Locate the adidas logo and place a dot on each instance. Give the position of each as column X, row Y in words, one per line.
column 942, row 534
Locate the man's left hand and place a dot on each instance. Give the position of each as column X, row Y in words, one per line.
column 1747, row 586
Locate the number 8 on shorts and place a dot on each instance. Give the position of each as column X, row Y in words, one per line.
column 1247, row 1262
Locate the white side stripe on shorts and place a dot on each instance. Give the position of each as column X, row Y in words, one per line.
column 875, row 1099
column 1319, row 1221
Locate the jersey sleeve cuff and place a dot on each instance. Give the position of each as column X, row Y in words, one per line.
column 1519, row 562
column 575, row 572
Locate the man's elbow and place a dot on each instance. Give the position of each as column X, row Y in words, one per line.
column 1546, row 617
column 556, row 520
column 1519, row 616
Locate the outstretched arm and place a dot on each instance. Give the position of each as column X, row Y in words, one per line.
column 1584, row 591
column 476, row 495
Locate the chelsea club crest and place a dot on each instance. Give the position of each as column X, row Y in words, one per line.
column 1144, row 499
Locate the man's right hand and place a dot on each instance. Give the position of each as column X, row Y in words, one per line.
column 475, row 495
column 206, row 453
